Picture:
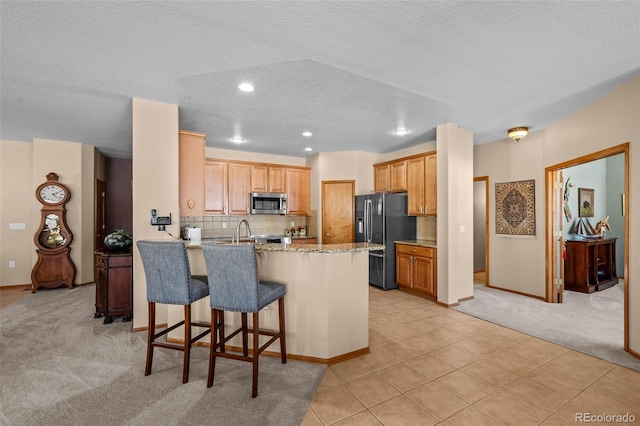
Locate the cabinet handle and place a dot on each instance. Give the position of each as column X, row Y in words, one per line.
column 426, row 209
column 412, row 251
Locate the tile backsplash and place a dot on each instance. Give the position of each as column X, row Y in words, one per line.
column 225, row 226
column 427, row 228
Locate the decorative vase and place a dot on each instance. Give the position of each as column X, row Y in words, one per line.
column 118, row 240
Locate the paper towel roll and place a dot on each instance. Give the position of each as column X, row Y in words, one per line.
column 195, row 236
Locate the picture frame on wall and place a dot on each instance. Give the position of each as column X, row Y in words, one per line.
column 586, row 205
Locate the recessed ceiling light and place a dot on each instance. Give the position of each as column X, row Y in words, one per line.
column 308, row 149
column 246, row 87
column 307, row 134
column 237, row 140
column 401, row 132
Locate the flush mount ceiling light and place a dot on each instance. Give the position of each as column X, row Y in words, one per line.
column 401, row 132
column 246, row 87
column 308, row 149
column 237, row 140
column 307, row 134
column 518, row 133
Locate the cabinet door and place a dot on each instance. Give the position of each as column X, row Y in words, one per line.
column 101, row 289
column 277, row 179
column 259, row 178
column 191, row 173
column 215, row 183
column 431, row 185
column 298, row 192
column 398, row 180
column 381, row 178
column 268, row 179
column 416, row 186
column 239, row 178
column 403, row 269
column 424, row 275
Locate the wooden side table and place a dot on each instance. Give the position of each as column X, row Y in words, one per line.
column 114, row 286
column 590, row 265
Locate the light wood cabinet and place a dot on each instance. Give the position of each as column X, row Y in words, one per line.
column 298, row 190
column 191, row 173
column 422, row 185
column 390, row 177
column 238, row 195
column 266, row 178
column 216, row 186
column 416, row 268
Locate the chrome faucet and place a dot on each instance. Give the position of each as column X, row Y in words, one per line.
column 236, row 236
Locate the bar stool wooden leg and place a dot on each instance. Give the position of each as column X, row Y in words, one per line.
column 256, row 353
column 283, row 344
column 215, row 325
column 245, row 335
column 187, row 343
column 150, row 337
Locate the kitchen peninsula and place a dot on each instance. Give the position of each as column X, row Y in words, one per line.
column 327, row 301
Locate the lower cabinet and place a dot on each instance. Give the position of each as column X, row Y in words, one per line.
column 114, row 286
column 416, row 268
column 301, row 240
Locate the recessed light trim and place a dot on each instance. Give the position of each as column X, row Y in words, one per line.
column 246, row 87
column 400, row 132
column 307, row 134
column 237, row 140
column 308, row 148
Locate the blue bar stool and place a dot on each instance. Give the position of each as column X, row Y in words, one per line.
column 169, row 281
column 234, row 286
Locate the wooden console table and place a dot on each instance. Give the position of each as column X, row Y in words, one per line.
column 114, row 286
column 590, row 265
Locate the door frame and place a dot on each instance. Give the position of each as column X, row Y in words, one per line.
column 485, row 179
column 550, row 173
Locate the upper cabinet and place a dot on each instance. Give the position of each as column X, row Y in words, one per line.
column 390, row 176
column 422, row 185
column 298, row 190
column 216, row 186
column 191, row 173
column 266, row 178
column 239, row 180
column 415, row 175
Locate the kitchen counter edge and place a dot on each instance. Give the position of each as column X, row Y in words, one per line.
column 421, row 243
column 313, row 248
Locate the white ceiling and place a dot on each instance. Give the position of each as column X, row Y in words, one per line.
column 350, row 72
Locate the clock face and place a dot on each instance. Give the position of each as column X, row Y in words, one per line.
column 52, row 194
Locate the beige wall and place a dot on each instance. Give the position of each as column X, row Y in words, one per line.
column 231, row 154
column 17, row 198
column 155, row 186
column 518, row 263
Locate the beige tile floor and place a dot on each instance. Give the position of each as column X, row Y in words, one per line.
column 431, row 365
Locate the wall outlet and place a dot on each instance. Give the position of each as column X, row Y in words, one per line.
column 293, row 224
column 224, row 225
column 12, row 264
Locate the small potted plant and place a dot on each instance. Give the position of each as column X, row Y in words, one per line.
column 119, row 240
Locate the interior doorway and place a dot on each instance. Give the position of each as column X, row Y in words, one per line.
column 338, row 211
column 481, row 230
column 556, row 214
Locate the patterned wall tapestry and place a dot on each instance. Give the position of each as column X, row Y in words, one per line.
column 515, row 208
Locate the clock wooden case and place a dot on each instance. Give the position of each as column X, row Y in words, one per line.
column 54, row 267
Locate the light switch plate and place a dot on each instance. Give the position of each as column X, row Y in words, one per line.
column 16, row 226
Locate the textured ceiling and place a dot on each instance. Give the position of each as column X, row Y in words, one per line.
column 350, row 72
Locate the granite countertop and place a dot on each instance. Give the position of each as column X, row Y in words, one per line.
column 421, row 243
column 311, row 248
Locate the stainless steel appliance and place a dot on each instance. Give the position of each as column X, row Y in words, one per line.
column 267, row 203
column 381, row 218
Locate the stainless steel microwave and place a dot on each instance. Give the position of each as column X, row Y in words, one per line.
column 267, row 203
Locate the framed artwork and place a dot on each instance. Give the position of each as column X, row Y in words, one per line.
column 585, row 202
column 516, row 208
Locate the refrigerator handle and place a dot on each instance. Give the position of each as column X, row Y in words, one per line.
column 366, row 221
column 369, row 215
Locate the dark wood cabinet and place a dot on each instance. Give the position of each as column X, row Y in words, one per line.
column 590, row 265
column 114, row 286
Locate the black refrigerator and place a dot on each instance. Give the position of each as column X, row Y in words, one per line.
column 381, row 218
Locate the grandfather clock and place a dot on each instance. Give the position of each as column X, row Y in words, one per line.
column 54, row 266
